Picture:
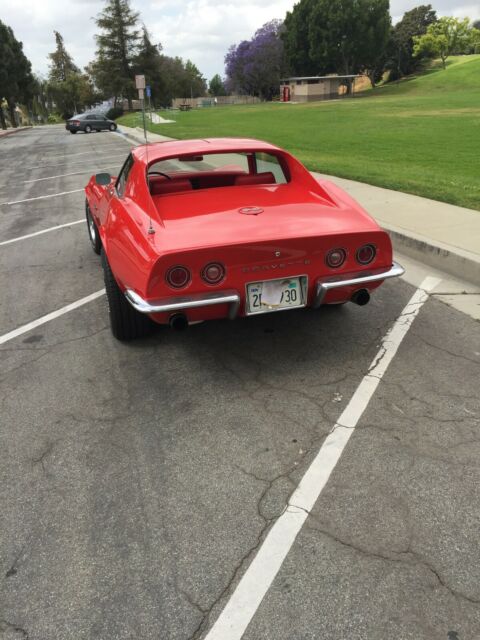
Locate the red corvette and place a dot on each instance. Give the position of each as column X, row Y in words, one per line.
column 200, row 229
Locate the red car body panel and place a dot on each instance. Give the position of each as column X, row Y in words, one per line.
column 299, row 222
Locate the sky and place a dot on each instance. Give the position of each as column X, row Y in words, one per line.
column 201, row 30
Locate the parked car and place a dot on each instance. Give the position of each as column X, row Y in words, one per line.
column 89, row 122
column 201, row 229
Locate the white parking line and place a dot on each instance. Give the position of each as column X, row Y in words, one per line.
column 50, row 316
column 52, row 195
column 80, row 162
column 39, row 233
column 250, row 591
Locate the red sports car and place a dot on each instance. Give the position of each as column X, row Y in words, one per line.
column 200, row 229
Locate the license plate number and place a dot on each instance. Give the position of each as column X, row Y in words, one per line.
column 274, row 295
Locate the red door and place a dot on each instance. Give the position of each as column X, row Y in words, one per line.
column 286, row 94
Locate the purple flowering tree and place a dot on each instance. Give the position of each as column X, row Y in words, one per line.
column 255, row 66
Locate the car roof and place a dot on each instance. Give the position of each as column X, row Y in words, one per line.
column 157, row 150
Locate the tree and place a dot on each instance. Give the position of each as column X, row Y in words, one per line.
column 148, row 62
column 414, row 23
column 61, row 65
column 16, row 79
column 216, row 86
column 476, row 24
column 337, row 36
column 443, row 38
column 117, row 44
column 256, row 66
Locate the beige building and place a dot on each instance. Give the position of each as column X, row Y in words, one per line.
column 311, row 88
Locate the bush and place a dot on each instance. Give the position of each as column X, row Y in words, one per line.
column 114, row 113
column 53, row 118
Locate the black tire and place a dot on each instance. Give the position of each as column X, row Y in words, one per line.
column 113, row 127
column 92, row 230
column 72, row 132
column 126, row 323
column 88, row 129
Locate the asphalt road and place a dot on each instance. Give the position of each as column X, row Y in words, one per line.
column 138, row 481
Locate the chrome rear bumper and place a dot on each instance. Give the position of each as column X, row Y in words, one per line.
column 178, row 304
column 323, row 287
column 183, row 303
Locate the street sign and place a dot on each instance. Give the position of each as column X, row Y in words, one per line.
column 140, row 94
column 148, row 91
column 140, row 82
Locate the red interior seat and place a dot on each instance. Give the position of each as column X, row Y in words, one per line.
column 255, row 178
column 158, row 188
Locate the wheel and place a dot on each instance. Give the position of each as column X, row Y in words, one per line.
column 88, row 129
column 125, row 321
column 72, row 132
column 113, row 127
column 93, row 230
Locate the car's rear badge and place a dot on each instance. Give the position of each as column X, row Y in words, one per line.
column 251, row 211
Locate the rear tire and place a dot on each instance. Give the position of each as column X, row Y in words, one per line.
column 72, row 132
column 88, row 129
column 126, row 323
column 93, row 233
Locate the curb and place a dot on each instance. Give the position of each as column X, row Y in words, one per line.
column 136, row 135
column 8, row 132
column 455, row 261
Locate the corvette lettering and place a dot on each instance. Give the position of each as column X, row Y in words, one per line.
column 272, row 267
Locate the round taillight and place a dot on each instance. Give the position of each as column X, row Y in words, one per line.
column 366, row 254
column 213, row 273
column 336, row 257
column 177, row 277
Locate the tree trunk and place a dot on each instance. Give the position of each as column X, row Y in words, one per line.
column 3, row 122
column 371, row 77
column 11, row 109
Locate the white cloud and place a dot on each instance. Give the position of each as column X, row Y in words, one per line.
column 201, row 30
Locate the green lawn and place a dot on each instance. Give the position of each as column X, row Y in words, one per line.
column 421, row 135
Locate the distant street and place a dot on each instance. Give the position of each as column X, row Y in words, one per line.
column 140, row 480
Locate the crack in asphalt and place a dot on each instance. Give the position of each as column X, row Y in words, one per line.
column 6, row 626
column 408, row 551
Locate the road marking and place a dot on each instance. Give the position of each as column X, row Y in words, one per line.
column 250, row 591
column 52, row 195
column 80, row 162
column 39, row 233
column 50, row 316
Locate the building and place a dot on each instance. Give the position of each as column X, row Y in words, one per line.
column 311, row 88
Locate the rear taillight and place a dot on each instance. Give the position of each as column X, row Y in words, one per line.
column 178, row 277
column 366, row 254
column 75, row 122
column 335, row 258
column 213, row 273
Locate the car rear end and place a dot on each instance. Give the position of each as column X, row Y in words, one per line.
column 73, row 125
column 263, row 277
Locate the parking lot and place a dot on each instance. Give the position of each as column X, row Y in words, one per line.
column 141, row 481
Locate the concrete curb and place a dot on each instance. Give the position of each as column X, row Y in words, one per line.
column 455, row 261
column 136, row 135
column 8, row 132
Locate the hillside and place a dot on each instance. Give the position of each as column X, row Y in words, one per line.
column 421, row 135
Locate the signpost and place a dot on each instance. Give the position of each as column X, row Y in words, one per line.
column 140, row 85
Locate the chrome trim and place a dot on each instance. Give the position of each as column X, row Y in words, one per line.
column 183, row 303
column 323, row 287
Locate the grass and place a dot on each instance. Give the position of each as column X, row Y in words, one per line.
column 421, row 135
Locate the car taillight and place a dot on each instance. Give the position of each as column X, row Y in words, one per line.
column 213, row 273
column 366, row 254
column 335, row 258
column 75, row 122
column 178, row 277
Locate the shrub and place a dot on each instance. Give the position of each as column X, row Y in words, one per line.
column 114, row 113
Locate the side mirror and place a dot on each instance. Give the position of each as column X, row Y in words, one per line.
column 103, row 178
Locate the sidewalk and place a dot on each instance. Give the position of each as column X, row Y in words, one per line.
column 444, row 236
column 8, row 132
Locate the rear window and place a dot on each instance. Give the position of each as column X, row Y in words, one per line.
column 241, row 164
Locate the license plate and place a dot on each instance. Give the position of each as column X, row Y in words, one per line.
column 274, row 295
